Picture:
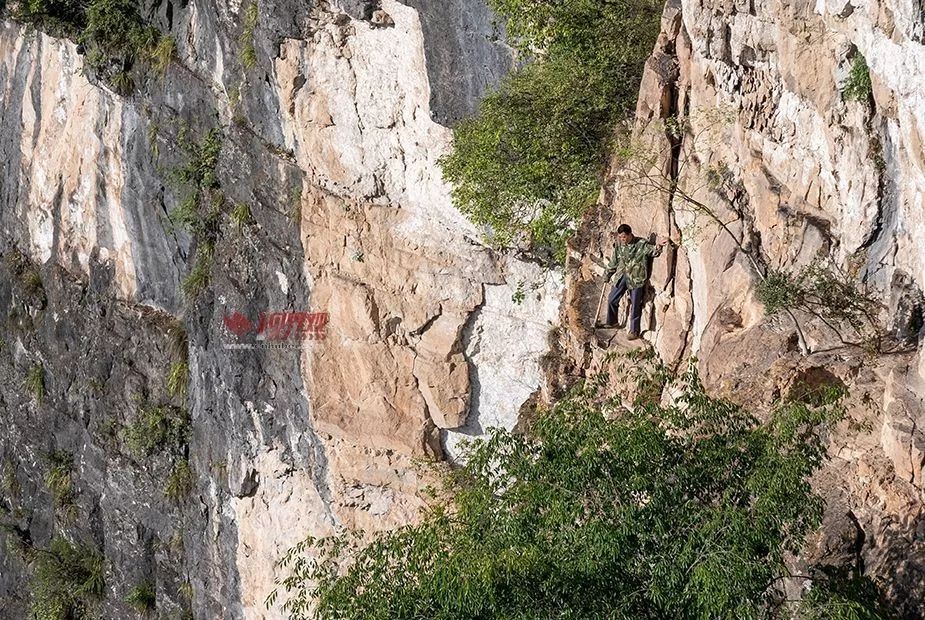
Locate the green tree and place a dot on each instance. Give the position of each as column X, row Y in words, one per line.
column 683, row 510
column 530, row 163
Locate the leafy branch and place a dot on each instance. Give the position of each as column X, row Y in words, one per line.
column 651, row 165
column 601, row 509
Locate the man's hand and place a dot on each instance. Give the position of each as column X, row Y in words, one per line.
column 661, row 241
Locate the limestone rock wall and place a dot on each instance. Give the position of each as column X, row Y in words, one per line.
column 796, row 172
column 331, row 141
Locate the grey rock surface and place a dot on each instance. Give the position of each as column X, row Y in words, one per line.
column 91, row 293
column 467, row 55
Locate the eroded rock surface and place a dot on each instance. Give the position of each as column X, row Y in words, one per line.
column 796, row 172
column 331, row 142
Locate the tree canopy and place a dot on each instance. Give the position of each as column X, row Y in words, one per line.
column 654, row 510
column 530, row 162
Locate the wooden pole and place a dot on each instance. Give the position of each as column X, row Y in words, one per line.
column 600, row 301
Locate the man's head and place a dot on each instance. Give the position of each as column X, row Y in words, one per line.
column 624, row 234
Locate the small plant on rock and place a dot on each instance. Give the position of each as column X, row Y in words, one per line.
column 178, row 379
column 68, row 581
column 35, row 382
column 858, row 87
column 60, row 483
column 197, row 280
column 157, row 429
column 162, row 54
column 519, row 293
column 180, row 482
column 241, row 217
column 248, row 50
column 143, row 597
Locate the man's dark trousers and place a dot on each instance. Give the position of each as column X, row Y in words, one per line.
column 636, row 298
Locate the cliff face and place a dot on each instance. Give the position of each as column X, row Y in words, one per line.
column 770, row 147
column 324, row 195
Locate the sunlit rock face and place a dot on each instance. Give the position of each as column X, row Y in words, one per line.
column 332, row 141
column 796, row 172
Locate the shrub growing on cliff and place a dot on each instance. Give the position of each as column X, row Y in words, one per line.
column 679, row 511
column 58, row 17
column 35, row 382
column 67, row 581
column 157, row 429
column 200, row 211
column 858, row 87
column 530, row 162
column 826, row 292
column 143, row 597
column 178, row 379
column 112, row 33
column 777, row 291
column 246, row 41
column 180, row 482
column 199, row 170
column 60, row 483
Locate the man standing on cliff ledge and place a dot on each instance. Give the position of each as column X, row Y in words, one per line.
column 630, row 263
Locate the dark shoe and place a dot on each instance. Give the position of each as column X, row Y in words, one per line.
column 605, row 326
column 633, row 336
